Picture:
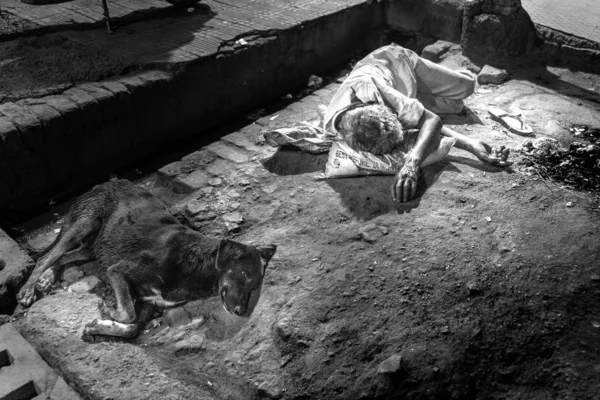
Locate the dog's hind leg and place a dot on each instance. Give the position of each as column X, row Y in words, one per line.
column 71, row 240
column 125, row 310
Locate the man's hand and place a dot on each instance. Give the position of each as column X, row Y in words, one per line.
column 405, row 181
column 497, row 157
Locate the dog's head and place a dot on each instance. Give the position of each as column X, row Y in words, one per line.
column 242, row 269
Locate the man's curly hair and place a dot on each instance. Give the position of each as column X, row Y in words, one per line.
column 371, row 127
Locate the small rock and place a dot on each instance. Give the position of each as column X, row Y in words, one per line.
column 215, row 181
column 370, row 237
column 284, row 330
column 206, row 191
column 488, row 219
column 569, row 204
column 445, row 329
column 72, row 274
column 176, row 317
column 232, row 227
column 85, row 285
column 195, row 207
column 233, row 217
column 390, row 365
column 205, row 217
column 244, row 182
column 435, row 51
column 491, row 75
column 474, row 288
column 595, row 277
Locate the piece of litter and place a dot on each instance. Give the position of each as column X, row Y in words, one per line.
column 241, row 42
column 488, row 219
column 273, row 117
column 570, row 204
column 57, row 230
column 483, row 90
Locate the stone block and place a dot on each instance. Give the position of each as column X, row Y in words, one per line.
column 490, row 75
column 28, row 124
column 109, row 104
column 90, row 109
column 244, row 141
column 72, row 119
column 121, row 93
column 166, row 175
column 191, row 182
column 230, row 153
column 15, row 268
column 51, row 119
column 86, row 285
column 25, row 374
column 435, row 51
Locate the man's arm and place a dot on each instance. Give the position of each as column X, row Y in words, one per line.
column 405, row 181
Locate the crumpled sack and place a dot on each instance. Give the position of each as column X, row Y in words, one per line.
column 344, row 161
column 306, row 137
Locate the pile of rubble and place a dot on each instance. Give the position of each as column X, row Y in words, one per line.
column 577, row 167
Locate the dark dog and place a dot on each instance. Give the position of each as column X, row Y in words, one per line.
column 147, row 254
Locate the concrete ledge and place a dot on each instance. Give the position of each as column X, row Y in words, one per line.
column 68, row 140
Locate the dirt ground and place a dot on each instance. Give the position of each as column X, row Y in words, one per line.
column 486, row 286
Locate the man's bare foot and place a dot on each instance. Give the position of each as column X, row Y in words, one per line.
column 497, row 156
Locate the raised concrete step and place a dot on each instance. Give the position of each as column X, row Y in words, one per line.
column 24, row 374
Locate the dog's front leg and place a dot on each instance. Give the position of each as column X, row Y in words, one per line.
column 125, row 310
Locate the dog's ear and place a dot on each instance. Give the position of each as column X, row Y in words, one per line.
column 221, row 253
column 266, row 252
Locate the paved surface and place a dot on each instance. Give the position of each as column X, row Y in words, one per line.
column 25, row 375
column 579, row 17
column 168, row 34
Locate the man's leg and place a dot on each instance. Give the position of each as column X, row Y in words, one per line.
column 441, row 89
column 479, row 148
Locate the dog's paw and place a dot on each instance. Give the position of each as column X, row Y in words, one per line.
column 46, row 280
column 27, row 296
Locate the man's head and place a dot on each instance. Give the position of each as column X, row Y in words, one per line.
column 371, row 127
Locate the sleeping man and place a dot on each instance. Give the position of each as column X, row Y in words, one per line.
column 392, row 90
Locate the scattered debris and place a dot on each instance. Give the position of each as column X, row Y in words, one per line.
column 577, row 167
